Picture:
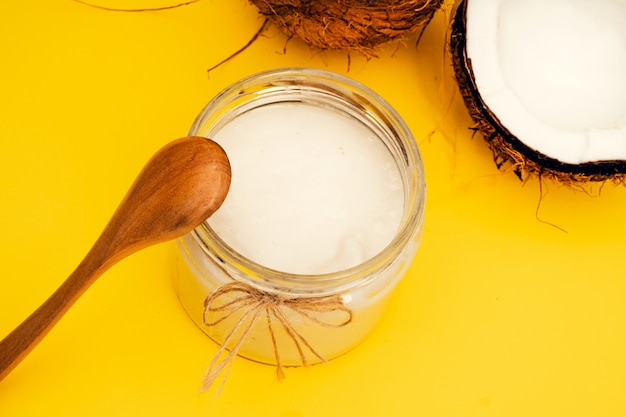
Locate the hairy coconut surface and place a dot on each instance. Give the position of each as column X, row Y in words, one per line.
column 546, row 95
column 349, row 25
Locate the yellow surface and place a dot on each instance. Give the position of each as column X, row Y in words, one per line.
column 501, row 314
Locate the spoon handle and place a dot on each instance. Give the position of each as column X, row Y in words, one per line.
column 179, row 188
column 19, row 343
column 109, row 249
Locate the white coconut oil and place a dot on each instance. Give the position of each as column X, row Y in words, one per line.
column 313, row 191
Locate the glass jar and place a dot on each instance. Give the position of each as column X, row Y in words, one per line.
column 269, row 313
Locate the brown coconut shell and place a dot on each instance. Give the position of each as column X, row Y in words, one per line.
column 508, row 150
column 348, row 25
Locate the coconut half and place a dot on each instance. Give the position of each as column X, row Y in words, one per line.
column 348, row 25
column 545, row 82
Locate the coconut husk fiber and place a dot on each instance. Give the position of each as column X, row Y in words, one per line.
column 348, row 25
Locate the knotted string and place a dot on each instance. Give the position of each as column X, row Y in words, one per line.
column 252, row 303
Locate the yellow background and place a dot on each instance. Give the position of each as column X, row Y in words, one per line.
column 501, row 313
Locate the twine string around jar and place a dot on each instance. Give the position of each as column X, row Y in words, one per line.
column 240, row 298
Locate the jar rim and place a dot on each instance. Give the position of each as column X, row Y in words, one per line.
column 274, row 280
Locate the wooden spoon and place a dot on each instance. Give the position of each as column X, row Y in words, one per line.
column 180, row 187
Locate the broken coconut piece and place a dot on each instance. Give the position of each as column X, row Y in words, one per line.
column 348, row 25
column 545, row 83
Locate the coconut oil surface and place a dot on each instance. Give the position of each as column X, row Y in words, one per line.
column 314, row 191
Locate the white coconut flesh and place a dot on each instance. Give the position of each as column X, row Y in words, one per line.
column 553, row 73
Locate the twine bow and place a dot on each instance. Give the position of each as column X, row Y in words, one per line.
column 252, row 303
